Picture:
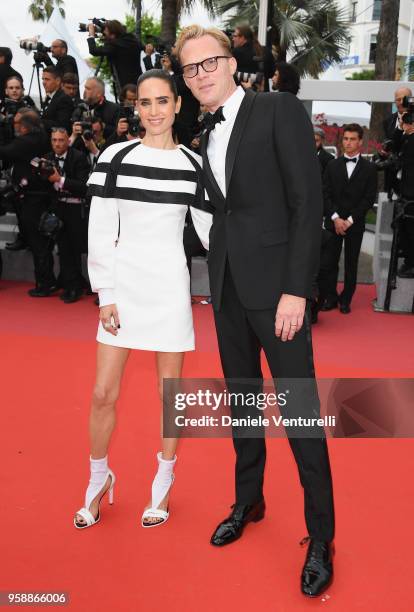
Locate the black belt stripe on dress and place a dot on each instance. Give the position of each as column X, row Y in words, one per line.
column 144, row 195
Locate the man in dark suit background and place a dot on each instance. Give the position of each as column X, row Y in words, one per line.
column 69, row 190
column 57, row 107
column 389, row 125
column 6, row 71
column 263, row 180
column 151, row 59
column 323, row 155
column 350, row 189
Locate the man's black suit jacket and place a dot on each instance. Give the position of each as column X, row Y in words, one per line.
column 324, row 158
column 64, row 65
column 269, row 225
column 58, row 112
column 148, row 62
column 389, row 125
column 349, row 197
column 76, row 171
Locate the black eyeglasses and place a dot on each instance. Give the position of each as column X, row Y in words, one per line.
column 209, row 65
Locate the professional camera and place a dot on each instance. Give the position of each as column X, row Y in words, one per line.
column 386, row 158
column 255, row 78
column 43, row 167
column 84, row 116
column 8, row 192
column 131, row 115
column 29, row 44
column 8, row 111
column 98, row 23
column 408, row 116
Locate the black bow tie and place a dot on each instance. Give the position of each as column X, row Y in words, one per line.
column 351, row 159
column 60, row 159
column 210, row 120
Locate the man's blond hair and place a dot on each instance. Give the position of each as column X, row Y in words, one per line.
column 195, row 31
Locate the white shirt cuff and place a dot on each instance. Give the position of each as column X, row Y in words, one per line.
column 106, row 297
column 335, row 216
column 350, row 219
column 59, row 184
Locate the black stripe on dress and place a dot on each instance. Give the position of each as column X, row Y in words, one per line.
column 153, row 197
column 149, row 172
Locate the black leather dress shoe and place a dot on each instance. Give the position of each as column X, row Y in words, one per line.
column 232, row 527
column 71, row 295
column 329, row 305
column 344, row 308
column 42, row 291
column 17, row 245
column 317, row 573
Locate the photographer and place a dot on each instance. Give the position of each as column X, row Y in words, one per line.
column 65, row 63
column 121, row 48
column 6, row 71
column 68, row 202
column 286, row 78
column 99, row 106
column 14, row 96
column 32, row 195
column 150, row 58
column 57, row 108
column 128, row 126
column 255, row 64
column 90, row 142
column 403, row 144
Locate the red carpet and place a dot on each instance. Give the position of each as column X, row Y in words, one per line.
column 48, row 354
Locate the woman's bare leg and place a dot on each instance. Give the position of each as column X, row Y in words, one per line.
column 110, row 365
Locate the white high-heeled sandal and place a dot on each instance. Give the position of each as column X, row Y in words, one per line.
column 99, row 475
column 161, row 485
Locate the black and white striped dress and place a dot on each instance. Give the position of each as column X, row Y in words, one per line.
column 136, row 256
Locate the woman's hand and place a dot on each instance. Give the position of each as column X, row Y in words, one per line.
column 109, row 318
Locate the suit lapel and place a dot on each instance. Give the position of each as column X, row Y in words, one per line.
column 236, row 134
column 343, row 172
column 207, row 167
column 357, row 168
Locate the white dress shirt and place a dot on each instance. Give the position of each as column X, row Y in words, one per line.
column 220, row 136
column 349, row 168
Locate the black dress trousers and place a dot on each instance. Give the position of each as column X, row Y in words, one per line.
column 242, row 333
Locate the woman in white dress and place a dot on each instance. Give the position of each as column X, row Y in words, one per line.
column 141, row 192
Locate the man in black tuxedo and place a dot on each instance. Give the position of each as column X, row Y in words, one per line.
column 57, row 107
column 263, row 180
column 94, row 96
column 323, row 155
column 68, row 197
column 350, row 189
column 151, row 59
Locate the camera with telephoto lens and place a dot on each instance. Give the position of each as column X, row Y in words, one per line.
column 98, row 23
column 408, row 115
column 32, row 45
column 43, row 167
column 386, row 158
column 131, row 115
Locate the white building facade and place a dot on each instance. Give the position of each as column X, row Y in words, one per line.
column 364, row 18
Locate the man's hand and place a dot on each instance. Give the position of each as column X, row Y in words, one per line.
column 91, row 146
column 122, row 127
column 289, row 316
column 408, row 128
column 109, row 318
column 341, row 226
column 55, row 177
column 347, row 224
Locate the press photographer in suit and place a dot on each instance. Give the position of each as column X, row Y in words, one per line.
column 6, row 70
column 350, row 189
column 32, row 198
column 263, row 180
column 65, row 64
column 68, row 198
column 57, row 107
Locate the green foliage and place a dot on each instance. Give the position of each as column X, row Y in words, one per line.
column 312, row 33
column 41, row 10
column 364, row 75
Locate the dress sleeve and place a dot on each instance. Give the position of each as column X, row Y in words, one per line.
column 202, row 222
column 102, row 240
